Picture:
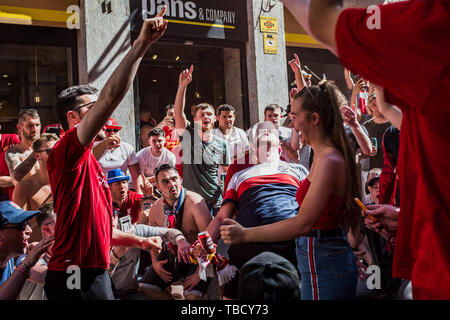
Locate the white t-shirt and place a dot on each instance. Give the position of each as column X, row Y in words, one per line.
column 237, row 141
column 121, row 157
column 148, row 162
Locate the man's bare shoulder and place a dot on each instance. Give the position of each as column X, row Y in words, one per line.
column 193, row 197
column 157, row 208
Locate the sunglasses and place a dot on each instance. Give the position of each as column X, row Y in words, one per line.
column 17, row 226
column 45, row 150
column 112, row 130
column 88, row 105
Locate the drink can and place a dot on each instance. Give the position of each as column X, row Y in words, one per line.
column 206, row 241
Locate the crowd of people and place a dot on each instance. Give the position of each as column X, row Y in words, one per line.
column 299, row 206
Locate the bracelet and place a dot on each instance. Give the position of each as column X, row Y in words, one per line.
column 22, row 268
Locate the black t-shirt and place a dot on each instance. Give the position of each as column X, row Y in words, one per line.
column 376, row 130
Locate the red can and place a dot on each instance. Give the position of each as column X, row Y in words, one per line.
column 206, row 241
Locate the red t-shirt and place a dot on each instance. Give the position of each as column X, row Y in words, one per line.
column 7, row 140
column 4, row 171
column 82, row 202
column 409, row 57
column 132, row 205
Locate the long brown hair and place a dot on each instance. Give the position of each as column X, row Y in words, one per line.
column 323, row 100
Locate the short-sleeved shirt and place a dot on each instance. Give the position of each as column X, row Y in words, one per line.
column 201, row 162
column 122, row 157
column 375, row 130
column 5, row 193
column 265, row 193
column 132, row 206
column 83, row 205
column 409, row 57
column 8, row 139
column 237, row 141
column 148, row 162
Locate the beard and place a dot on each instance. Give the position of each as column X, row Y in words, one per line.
column 30, row 136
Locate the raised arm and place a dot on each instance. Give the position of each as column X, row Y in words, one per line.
column 349, row 117
column 120, row 81
column 323, row 17
column 297, row 69
column 389, row 111
column 180, row 100
column 348, row 79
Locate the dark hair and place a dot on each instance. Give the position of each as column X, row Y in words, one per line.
column 203, row 106
column 272, row 107
column 164, row 167
column 68, row 99
column 225, row 107
column 46, row 211
column 156, row 132
column 323, row 100
column 37, row 144
column 32, row 113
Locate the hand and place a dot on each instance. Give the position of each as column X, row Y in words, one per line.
column 374, row 151
column 183, row 250
column 161, row 272
column 232, row 232
column 169, row 121
column 154, row 28
column 349, row 116
column 359, row 86
column 387, row 215
column 146, row 187
column 186, row 77
column 191, row 281
column 152, row 243
column 112, row 142
column 295, row 65
column 292, row 94
column 35, row 253
column 284, row 145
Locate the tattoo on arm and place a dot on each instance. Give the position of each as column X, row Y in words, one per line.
column 23, row 168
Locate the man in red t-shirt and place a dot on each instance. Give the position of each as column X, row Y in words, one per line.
column 387, row 45
column 129, row 202
column 6, row 183
column 84, row 231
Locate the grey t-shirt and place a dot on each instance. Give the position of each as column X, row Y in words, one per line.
column 201, row 162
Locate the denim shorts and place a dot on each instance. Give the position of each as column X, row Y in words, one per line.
column 327, row 267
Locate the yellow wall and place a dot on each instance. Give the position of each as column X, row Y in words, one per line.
column 50, row 13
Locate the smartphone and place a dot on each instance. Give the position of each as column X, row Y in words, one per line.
column 125, row 223
column 54, row 130
column 374, row 143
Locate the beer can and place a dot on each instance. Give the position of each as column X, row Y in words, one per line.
column 206, row 241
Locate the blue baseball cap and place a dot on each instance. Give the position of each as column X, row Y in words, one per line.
column 11, row 213
column 115, row 175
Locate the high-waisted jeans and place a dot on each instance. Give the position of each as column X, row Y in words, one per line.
column 327, row 267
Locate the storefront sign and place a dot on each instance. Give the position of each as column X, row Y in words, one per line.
column 270, row 43
column 225, row 20
column 268, row 24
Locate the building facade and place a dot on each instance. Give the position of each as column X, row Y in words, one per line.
column 240, row 51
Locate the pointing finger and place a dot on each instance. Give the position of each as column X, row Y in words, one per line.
column 162, row 12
